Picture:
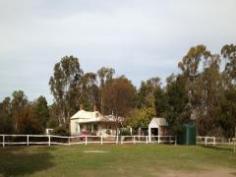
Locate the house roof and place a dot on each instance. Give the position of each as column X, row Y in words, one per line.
column 83, row 116
column 157, row 122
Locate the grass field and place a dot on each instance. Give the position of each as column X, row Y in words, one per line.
column 116, row 160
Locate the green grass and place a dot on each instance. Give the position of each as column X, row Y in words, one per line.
column 118, row 160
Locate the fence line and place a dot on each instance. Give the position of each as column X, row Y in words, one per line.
column 23, row 139
column 212, row 140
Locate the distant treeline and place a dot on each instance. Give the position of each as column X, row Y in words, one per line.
column 203, row 93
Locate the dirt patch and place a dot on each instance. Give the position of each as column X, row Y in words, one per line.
column 205, row 173
column 95, row 151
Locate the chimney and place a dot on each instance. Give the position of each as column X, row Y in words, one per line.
column 81, row 107
column 94, row 107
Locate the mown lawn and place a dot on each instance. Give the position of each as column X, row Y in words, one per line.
column 111, row 160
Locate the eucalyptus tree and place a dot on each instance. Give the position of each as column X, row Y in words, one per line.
column 146, row 92
column 177, row 109
column 90, row 97
column 66, row 77
column 190, row 67
column 41, row 111
column 19, row 103
column 6, row 121
column 201, row 70
column 211, row 92
column 105, row 75
column 228, row 117
column 229, row 53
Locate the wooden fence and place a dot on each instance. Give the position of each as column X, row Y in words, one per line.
column 213, row 141
column 7, row 139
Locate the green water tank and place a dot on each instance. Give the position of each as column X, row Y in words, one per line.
column 188, row 134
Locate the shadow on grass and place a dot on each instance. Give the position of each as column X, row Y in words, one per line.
column 219, row 148
column 234, row 173
column 21, row 162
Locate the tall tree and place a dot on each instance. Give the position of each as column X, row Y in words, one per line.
column 66, row 77
column 161, row 102
column 119, row 97
column 146, row 92
column 41, row 112
column 105, row 74
column 6, row 122
column 210, row 93
column 228, row 105
column 90, row 96
column 178, row 109
column 19, row 102
column 190, row 67
column 229, row 53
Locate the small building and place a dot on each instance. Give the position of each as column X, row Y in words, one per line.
column 157, row 127
column 92, row 123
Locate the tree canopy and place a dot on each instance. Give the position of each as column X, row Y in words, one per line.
column 204, row 92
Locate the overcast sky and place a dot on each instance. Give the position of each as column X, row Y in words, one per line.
column 140, row 39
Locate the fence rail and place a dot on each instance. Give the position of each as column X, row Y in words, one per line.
column 212, row 140
column 7, row 139
column 10, row 139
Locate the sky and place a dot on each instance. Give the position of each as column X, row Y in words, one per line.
column 140, row 39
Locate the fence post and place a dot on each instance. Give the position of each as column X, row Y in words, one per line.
column 69, row 140
column 214, row 140
column 3, row 140
column 146, row 139
column 117, row 139
column 205, row 140
column 175, row 140
column 158, row 141
column 86, row 140
column 27, row 140
column 121, row 140
column 101, row 140
column 134, row 141
column 49, row 140
column 234, row 140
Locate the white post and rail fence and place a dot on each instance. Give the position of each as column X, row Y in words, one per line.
column 10, row 139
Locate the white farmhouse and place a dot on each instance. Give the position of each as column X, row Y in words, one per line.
column 93, row 123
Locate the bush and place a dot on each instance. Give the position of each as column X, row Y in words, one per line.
column 125, row 131
column 63, row 131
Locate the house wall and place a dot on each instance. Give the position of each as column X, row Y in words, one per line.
column 74, row 129
column 97, row 128
column 163, row 131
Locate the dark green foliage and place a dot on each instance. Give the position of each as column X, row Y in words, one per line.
column 140, row 117
column 178, row 109
column 6, row 120
column 227, row 117
column 63, row 131
column 41, row 112
column 161, row 102
column 145, row 97
column 23, row 117
column 229, row 53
